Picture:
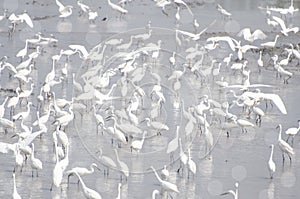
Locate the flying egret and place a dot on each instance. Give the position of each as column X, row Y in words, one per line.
column 271, row 163
column 224, row 12
column 83, row 8
column 65, row 11
column 197, row 36
column 284, row 29
column 257, row 34
column 284, row 146
column 117, row 8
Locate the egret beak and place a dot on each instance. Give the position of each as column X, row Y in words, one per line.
column 98, row 168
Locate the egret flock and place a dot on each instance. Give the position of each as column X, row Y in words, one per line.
column 152, row 111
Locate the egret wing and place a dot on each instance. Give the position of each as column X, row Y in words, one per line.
column 27, row 19
column 277, row 101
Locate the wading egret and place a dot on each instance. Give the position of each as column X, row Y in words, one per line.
column 82, row 170
column 167, row 186
column 234, row 193
column 292, row 132
column 107, row 162
column 35, row 163
column 271, row 163
column 15, row 194
column 122, row 166
column 191, row 164
column 165, row 173
column 87, row 192
column 284, row 146
column 270, row 44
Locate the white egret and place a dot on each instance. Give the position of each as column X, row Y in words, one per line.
column 260, row 62
column 158, row 126
column 81, row 49
column 284, row 146
column 197, row 36
column 119, row 191
column 22, row 115
column 182, row 155
column 82, row 170
column 292, row 132
column 270, row 44
column 23, row 52
column 191, row 164
column 154, row 193
column 167, row 186
column 227, row 60
column 15, row 194
column 234, row 193
column 117, row 7
column 181, row 2
column 284, row 29
column 164, row 173
column 122, row 166
column 35, row 163
column 83, row 7
column 92, row 16
column 107, row 161
column 243, row 124
column 224, row 12
column 137, row 145
column 62, row 136
column 2, row 107
column 285, row 61
column 19, row 158
column 87, row 192
column 173, row 144
column 65, row 11
column 271, row 163
column 99, row 119
column 257, row 34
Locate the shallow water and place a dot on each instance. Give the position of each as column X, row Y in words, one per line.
column 242, row 157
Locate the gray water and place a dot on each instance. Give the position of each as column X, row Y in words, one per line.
column 242, row 157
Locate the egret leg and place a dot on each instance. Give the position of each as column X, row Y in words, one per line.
column 290, row 159
column 288, row 138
